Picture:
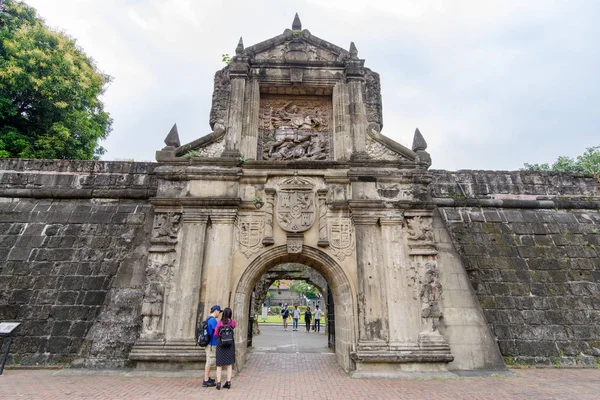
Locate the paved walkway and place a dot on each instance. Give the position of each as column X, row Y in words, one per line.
column 294, row 372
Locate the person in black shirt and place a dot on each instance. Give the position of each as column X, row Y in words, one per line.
column 307, row 319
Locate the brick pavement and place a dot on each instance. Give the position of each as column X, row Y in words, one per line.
column 300, row 376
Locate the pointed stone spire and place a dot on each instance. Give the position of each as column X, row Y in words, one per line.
column 296, row 25
column 172, row 138
column 353, row 51
column 240, row 47
column 419, row 143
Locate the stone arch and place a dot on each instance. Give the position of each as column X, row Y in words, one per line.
column 339, row 284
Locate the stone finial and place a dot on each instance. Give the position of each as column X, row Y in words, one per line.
column 240, row 47
column 296, row 25
column 353, row 51
column 172, row 138
column 419, row 143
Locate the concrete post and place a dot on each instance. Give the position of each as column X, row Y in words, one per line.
column 182, row 306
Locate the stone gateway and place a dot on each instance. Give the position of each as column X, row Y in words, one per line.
column 305, row 176
column 115, row 264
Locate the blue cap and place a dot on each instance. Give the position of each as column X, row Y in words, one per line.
column 216, row 307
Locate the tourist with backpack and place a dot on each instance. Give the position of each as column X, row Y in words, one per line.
column 285, row 313
column 225, row 346
column 207, row 339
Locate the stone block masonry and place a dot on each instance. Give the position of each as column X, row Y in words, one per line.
column 72, row 254
column 530, row 244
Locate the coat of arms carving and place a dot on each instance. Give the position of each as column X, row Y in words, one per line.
column 250, row 233
column 341, row 237
column 296, row 208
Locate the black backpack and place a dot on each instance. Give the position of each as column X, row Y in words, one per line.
column 204, row 336
column 226, row 336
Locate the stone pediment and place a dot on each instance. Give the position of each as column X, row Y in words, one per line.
column 296, row 97
column 296, row 47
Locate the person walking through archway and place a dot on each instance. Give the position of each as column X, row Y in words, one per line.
column 318, row 319
column 285, row 313
column 225, row 346
column 296, row 316
column 307, row 319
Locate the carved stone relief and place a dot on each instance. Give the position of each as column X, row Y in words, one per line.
column 165, row 232
column 296, row 208
column 419, row 229
column 378, row 151
column 295, row 128
column 296, row 50
column 250, row 233
column 341, row 237
column 166, row 228
column 430, row 294
column 215, row 149
column 158, row 278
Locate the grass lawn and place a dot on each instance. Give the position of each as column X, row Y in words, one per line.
column 276, row 319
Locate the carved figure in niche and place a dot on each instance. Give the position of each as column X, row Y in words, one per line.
column 166, row 227
column 294, row 129
column 419, row 229
column 158, row 274
column 431, row 292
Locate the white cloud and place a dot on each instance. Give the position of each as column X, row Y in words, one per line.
column 490, row 84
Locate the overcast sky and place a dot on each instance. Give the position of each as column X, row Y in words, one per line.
column 490, row 84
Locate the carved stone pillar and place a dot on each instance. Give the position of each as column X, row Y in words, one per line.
column 358, row 115
column 238, row 72
column 323, row 234
column 355, row 77
column 269, row 209
column 182, row 308
column 218, row 260
column 372, row 303
column 403, row 307
column 426, row 277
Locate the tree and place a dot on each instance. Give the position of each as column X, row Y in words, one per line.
column 49, row 91
column 587, row 163
column 304, row 289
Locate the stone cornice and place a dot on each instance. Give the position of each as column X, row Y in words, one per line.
column 568, row 204
column 207, row 202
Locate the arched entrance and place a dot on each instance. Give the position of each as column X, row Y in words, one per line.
column 339, row 286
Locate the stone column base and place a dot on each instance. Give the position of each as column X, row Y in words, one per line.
column 158, row 354
column 428, row 359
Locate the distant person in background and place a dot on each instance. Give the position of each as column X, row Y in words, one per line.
column 307, row 319
column 318, row 319
column 296, row 316
column 285, row 313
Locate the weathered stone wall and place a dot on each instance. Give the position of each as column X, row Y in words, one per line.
column 530, row 243
column 73, row 236
column 74, row 240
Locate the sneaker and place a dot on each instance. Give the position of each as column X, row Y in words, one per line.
column 218, row 384
column 208, row 383
column 211, row 380
column 227, row 385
